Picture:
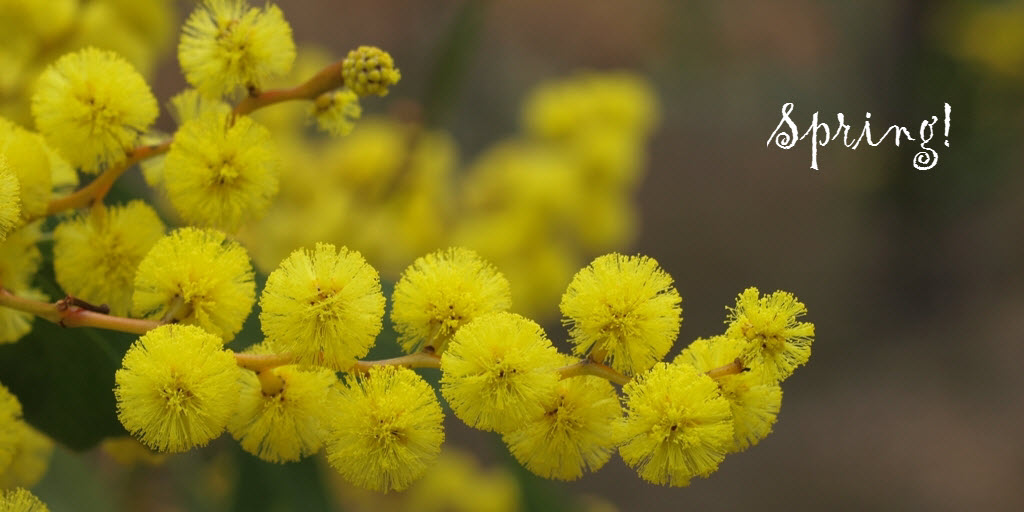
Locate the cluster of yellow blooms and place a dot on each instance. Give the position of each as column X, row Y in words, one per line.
column 322, row 308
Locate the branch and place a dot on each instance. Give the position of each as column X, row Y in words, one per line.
column 590, row 367
column 415, row 360
column 97, row 189
column 327, row 79
column 72, row 312
column 263, row 362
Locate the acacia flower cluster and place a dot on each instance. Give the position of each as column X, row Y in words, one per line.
column 189, row 291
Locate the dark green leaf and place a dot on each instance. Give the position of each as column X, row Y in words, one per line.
column 64, row 379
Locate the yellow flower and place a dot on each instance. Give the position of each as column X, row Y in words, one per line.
column 221, row 170
column 499, row 371
column 754, row 404
column 441, row 292
column 95, row 255
column 288, row 425
column 458, row 482
column 10, row 418
column 21, row 500
column 196, row 276
column 31, row 458
column 19, row 261
column 677, row 426
column 777, row 342
column 336, row 112
column 369, row 70
column 227, row 45
column 620, row 101
column 622, row 310
column 10, row 199
column 575, row 432
column 91, row 105
column 324, row 306
column 387, row 429
column 27, row 159
column 177, row 388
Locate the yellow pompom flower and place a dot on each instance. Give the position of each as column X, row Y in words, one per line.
column 10, row 199
column 777, row 342
column 323, row 306
column 177, row 388
column 441, row 292
column 95, row 255
column 21, row 500
column 91, row 105
column 575, row 433
column 227, row 45
column 460, row 482
column 622, row 310
column 499, row 371
column 196, row 276
column 754, row 403
column 290, row 424
column 19, row 261
column 369, row 70
column 31, row 458
column 563, row 108
column 221, row 170
column 10, row 418
column 387, row 430
column 336, row 112
column 677, row 425
column 27, row 159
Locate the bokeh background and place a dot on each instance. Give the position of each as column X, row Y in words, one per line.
column 912, row 399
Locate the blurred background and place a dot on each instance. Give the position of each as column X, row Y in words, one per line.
column 912, row 398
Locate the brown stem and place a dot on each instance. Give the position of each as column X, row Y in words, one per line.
column 590, row 367
column 68, row 312
column 97, row 189
column 327, row 79
column 264, row 362
column 414, row 360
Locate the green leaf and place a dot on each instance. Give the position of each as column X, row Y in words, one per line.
column 265, row 486
column 64, row 379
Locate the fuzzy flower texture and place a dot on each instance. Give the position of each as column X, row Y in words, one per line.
column 95, row 255
column 290, row 424
column 622, row 310
column 324, row 306
column 10, row 199
column 221, row 170
column 92, row 105
column 443, row 291
column 227, row 45
column 387, row 429
column 198, row 277
column 177, row 388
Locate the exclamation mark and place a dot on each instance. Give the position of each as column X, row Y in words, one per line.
column 948, row 109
